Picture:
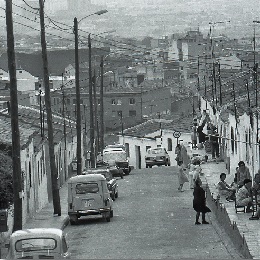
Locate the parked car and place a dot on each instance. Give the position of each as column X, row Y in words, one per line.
column 38, row 243
column 114, row 169
column 111, row 182
column 118, row 157
column 157, row 156
column 89, row 195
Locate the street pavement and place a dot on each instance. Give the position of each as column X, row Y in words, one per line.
column 211, row 169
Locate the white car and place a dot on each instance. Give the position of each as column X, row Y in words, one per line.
column 157, row 156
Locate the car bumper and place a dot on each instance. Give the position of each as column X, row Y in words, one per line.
column 90, row 212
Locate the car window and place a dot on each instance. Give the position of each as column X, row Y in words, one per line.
column 35, row 244
column 82, row 188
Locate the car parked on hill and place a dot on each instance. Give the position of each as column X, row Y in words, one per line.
column 38, row 243
column 157, row 156
column 111, row 182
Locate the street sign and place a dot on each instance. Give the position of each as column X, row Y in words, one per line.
column 177, row 134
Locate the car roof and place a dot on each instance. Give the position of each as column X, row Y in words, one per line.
column 88, row 177
column 95, row 171
column 40, row 232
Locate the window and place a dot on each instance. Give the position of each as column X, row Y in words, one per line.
column 131, row 101
column 82, row 188
column 113, row 101
column 132, row 112
column 113, row 113
column 119, row 102
column 74, row 101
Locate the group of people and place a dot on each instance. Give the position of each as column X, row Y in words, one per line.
column 243, row 190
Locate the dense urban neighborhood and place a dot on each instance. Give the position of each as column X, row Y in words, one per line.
column 71, row 100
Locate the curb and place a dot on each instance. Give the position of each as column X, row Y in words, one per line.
column 65, row 223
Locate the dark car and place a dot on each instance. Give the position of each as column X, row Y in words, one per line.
column 114, row 169
column 111, row 182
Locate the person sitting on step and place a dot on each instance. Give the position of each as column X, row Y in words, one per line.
column 243, row 196
column 225, row 189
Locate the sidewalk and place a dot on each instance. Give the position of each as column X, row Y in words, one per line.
column 248, row 229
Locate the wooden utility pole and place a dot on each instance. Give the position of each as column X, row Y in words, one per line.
column 64, row 129
column 17, row 182
column 91, row 119
column 54, row 173
column 78, row 112
column 96, row 126
column 102, row 104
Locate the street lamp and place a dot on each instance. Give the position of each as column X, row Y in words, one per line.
column 78, row 117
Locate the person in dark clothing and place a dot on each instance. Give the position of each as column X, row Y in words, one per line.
column 202, row 136
column 199, row 203
column 214, row 139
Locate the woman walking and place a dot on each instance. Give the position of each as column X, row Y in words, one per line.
column 199, row 203
column 182, row 177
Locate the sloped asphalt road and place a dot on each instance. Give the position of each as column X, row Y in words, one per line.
column 152, row 220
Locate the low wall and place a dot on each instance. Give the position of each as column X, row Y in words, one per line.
column 230, row 226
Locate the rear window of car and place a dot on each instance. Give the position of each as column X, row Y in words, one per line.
column 83, row 188
column 35, row 244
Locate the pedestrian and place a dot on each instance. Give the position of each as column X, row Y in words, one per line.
column 199, row 203
column 214, row 139
column 194, row 137
column 178, row 153
column 242, row 174
column 196, row 173
column 182, row 177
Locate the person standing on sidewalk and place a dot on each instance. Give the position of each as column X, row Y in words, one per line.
column 199, row 203
column 242, row 174
column 214, row 139
column 182, row 177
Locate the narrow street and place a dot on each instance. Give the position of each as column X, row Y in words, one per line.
column 152, row 220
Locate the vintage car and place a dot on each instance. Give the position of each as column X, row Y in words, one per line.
column 114, row 169
column 38, row 243
column 89, row 195
column 117, row 157
column 111, row 182
column 157, row 156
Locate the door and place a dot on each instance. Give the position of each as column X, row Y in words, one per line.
column 88, row 195
column 138, row 157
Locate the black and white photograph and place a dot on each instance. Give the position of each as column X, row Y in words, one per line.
column 129, row 129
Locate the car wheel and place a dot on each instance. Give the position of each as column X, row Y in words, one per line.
column 116, row 195
column 147, row 166
column 122, row 176
column 111, row 213
column 108, row 219
column 73, row 220
column 126, row 172
column 150, row 166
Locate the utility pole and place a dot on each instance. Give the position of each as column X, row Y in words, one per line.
column 141, row 103
column 95, row 113
column 64, row 129
column 17, row 175
column 102, row 104
column 78, row 101
column 54, row 173
column 220, row 85
column 91, row 119
column 40, row 97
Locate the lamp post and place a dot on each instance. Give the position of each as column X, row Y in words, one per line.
column 78, row 102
